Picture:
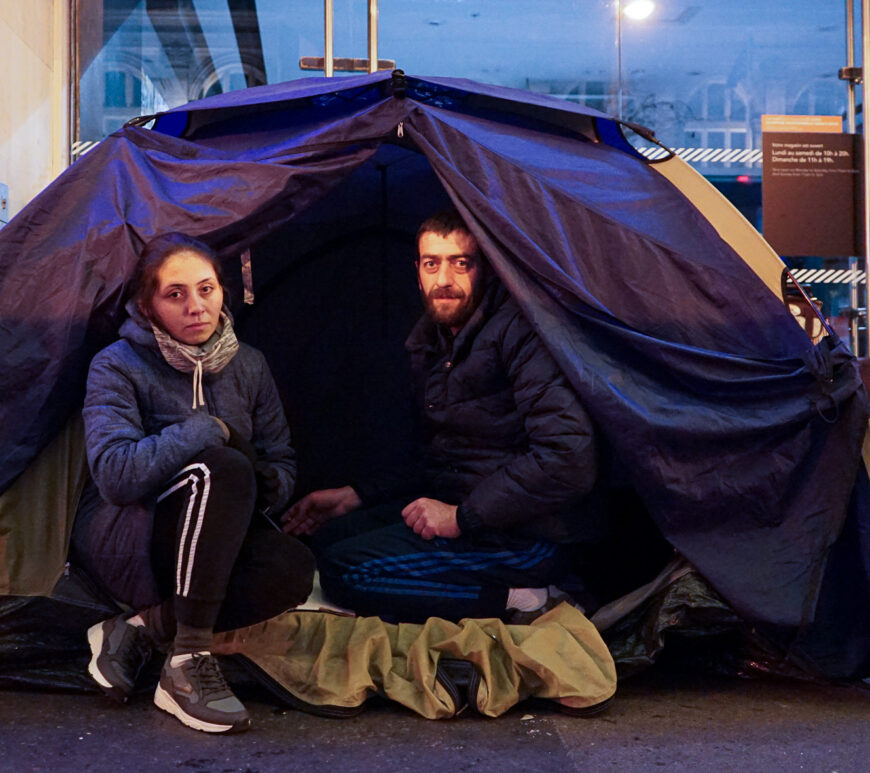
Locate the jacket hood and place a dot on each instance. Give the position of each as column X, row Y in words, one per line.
column 137, row 329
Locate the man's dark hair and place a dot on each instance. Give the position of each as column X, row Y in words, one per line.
column 442, row 223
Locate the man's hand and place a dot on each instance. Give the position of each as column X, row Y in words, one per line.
column 318, row 507
column 430, row 518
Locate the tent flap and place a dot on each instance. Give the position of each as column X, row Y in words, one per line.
column 741, row 438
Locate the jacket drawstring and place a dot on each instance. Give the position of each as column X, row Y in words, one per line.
column 198, row 398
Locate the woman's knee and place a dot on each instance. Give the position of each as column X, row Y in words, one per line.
column 229, row 470
column 275, row 573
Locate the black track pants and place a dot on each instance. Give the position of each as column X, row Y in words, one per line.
column 225, row 567
column 371, row 562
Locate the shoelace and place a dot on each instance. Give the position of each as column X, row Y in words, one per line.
column 208, row 673
column 135, row 655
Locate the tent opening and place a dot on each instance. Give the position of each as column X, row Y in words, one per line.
column 335, row 296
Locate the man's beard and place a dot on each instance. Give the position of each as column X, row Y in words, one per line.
column 454, row 315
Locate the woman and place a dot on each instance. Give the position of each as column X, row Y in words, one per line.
column 187, row 442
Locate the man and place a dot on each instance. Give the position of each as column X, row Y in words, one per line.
column 509, row 458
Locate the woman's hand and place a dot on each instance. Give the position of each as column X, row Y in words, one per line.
column 318, row 507
column 268, row 485
column 224, row 428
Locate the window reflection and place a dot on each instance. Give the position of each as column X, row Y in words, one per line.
column 699, row 74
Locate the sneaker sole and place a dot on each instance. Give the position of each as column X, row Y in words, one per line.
column 163, row 700
column 95, row 640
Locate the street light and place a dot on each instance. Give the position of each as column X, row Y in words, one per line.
column 638, row 10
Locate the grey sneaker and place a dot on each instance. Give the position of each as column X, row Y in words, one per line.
column 119, row 652
column 555, row 596
column 195, row 691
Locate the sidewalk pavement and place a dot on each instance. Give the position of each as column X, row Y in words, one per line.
column 659, row 720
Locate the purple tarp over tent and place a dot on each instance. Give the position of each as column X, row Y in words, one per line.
column 742, row 439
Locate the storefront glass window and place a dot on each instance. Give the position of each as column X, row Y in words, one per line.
column 699, row 73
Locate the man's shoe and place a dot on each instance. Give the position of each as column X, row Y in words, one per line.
column 119, row 652
column 555, row 596
column 195, row 691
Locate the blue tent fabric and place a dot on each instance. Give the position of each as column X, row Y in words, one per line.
column 742, row 439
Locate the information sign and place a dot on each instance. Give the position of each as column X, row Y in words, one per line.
column 811, row 190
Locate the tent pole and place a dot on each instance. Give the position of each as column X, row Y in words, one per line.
column 328, row 36
column 373, row 35
column 850, row 62
column 851, row 129
column 865, row 58
column 619, row 59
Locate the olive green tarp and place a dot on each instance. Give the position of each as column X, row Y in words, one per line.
column 328, row 661
column 37, row 512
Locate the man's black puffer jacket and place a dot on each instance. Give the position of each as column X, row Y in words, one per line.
column 507, row 438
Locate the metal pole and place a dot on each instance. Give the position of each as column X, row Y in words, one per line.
column 850, row 62
column 619, row 59
column 851, row 128
column 373, row 35
column 865, row 58
column 328, row 36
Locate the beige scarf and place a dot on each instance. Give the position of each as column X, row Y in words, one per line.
column 211, row 357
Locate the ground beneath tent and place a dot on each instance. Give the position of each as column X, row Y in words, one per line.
column 658, row 720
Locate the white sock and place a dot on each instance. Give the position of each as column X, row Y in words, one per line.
column 526, row 599
column 176, row 660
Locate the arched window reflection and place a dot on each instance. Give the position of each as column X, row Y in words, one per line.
column 224, row 76
column 824, row 96
column 719, row 119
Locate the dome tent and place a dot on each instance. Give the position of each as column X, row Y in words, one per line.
column 741, row 438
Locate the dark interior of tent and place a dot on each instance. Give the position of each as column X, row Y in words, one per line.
column 335, row 296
